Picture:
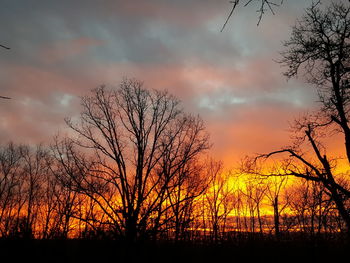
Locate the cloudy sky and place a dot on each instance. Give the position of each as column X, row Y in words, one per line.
column 60, row 50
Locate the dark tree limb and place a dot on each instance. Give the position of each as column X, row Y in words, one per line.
column 5, row 47
column 264, row 5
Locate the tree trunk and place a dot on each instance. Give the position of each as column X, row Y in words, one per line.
column 347, row 142
column 276, row 217
column 131, row 230
column 259, row 220
column 342, row 211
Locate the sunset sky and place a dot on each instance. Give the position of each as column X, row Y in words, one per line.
column 60, row 50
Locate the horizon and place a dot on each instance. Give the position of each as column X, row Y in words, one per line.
column 155, row 121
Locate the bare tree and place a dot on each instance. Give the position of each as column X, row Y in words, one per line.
column 10, row 166
column 180, row 197
column 310, row 206
column 49, row 206
column 255, row 192
column 319, row 48
column 34, row 171
column 314, row 165
column 219, row 200
column 275, row 186
column 248, row 192
column 138, row 145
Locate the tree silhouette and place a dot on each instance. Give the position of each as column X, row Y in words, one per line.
column 218, row 198
column 142, row 150
column 319, row 48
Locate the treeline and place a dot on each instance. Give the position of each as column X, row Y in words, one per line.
column 134, row 166
column 38, row 201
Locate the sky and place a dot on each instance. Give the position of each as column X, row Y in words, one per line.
column 60, row 50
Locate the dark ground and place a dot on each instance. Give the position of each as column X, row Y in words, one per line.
column 247, row 250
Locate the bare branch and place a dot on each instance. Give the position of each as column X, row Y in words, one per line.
column 261, row 10
column 5, row 47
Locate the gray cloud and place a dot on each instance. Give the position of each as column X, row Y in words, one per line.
column 62, row 49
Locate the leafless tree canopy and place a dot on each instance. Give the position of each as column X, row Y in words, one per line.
column 143, row 150
column 318, row 49
column 133, row 166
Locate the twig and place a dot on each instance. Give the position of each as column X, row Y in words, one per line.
column 5, row 47
column 235, row 3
